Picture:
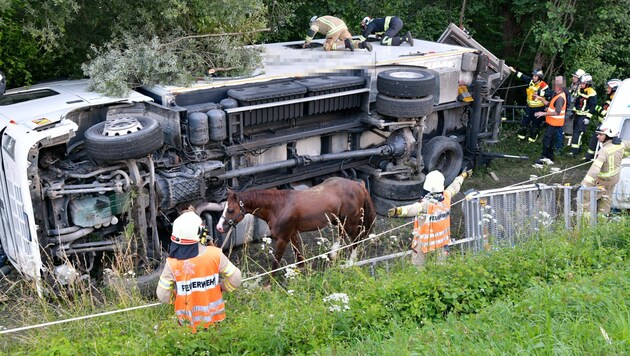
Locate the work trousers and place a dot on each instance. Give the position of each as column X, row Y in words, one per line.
column 531, row 124
column 604, row 196
column 578, row 131
column 549, row 140
column 389, row 37
column 592, row 146
column 336, row 40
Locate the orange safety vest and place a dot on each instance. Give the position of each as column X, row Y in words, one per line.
column 556, row 120
column 532, row 89
column 435, row 232
column 198, row 297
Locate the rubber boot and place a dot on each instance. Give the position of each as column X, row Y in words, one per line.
column 349, row 44
column 407, row 38
column 365, row 45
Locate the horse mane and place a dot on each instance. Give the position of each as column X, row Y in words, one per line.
column 258, row 198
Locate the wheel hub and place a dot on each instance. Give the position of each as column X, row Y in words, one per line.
column 407, row 75
column 121, row 126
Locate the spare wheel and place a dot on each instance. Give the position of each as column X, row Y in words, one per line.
column 406, row 83
column 123, row 138
column 404, row 108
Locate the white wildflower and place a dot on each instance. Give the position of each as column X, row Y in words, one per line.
column 538, row 166
column 339, row 302
column 324, row 257
column 533, row 177
column 290, row 292
column 266, row 240
column 547, row 161
column 555, row 170
column 290, row 273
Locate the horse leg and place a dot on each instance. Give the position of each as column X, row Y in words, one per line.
column 296, row 244
column 353, row 229
column 281, row 245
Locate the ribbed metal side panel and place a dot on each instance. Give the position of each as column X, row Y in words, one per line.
column 273, row 114
column 334, row 104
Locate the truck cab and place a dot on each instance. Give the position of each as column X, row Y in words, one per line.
column 85, row 176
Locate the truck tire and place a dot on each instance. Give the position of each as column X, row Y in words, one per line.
column 406, row 83
column 132, row 145
column 397, row 189
column 445, row 155
column 404, row 108
column 381, row 205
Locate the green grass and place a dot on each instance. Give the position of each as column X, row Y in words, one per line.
column 549, row 295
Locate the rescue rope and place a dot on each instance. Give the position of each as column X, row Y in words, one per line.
column 370, row 237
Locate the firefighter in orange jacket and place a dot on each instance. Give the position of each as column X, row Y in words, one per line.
column 536, row 89
column 433, row 223
column 337, row 35
column 554, row 117
column 195, row 275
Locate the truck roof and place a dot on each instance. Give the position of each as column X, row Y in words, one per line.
column 47, row 103
column 288, row 59
column 620, row 105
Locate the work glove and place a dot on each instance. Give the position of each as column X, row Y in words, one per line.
column 394, row 212
column 466, row 173
column 512, row 69
column 306, row 45
column 586, row 121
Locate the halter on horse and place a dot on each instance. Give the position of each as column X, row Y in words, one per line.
column 288, row 212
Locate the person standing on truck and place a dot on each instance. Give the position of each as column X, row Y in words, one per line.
column 337, row 35
column 195, row 275
column 611, row 89
column 554, row 117
column 606, row 168
column 584, row 109
column 536, row 89
column 386, row 29
column 432, row 227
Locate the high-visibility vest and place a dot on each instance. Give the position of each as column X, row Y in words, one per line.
column 556, row 120
column 198, row 297
column 435, row 231
column 538, row 89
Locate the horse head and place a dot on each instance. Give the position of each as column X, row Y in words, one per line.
column 233, row 213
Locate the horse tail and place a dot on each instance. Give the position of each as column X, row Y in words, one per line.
column 369, row 212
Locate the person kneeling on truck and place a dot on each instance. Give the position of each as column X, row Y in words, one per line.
column 195, row 275
column 432, row 231
column 336, row 32
column 386, row 29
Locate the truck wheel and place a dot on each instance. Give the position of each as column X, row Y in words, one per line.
column 443, row 154
column 406, row 83
column 397, row 189
column 381, row 205
column 123, row 138
column 404, row 108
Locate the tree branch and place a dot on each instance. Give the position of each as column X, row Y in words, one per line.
column 215, row 35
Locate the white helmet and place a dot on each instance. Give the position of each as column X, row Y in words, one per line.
column 366, row 20
column 579, row 73
column 313, row 18
column 614, row 84
column 187, row 229
column 586, row 79
column 434, row 182
column 608, row 131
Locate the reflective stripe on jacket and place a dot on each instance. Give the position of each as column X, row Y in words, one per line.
column 607, row 164
column 435, row 231
column 586, row 102
column 556, row 119
column 198, row 297
column 326, row 25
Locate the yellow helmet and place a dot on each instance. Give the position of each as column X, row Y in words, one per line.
column 187, row 229
column 434, row 182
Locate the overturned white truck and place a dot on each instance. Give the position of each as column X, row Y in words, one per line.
column 85, row 175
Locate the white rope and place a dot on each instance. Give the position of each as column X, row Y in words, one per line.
column 77, row 318
column 549, row 175
column 370, row 237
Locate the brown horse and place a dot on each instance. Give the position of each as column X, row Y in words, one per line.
column 288, row 212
